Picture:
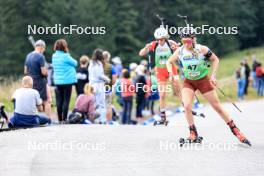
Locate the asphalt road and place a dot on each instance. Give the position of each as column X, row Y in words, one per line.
column 138, row 150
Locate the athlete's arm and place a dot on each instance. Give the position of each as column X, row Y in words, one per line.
column 215, row 62
column 171, row 61
column 144, row 51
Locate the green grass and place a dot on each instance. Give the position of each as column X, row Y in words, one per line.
column 7, row 87
column 225, row 75
column 230, row 62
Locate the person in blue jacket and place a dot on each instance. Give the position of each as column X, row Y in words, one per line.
column 64, row 77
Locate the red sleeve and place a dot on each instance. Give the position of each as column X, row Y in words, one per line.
column 153, row 45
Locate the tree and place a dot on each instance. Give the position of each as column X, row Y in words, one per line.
column 126, row 42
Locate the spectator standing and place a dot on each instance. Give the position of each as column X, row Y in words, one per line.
column 82, row 75
column 132, row 70
column 247, row 76
column 127, row 92
column 141, row 90
column 118, row 65
column 241, row 81
column 97, row 79
column 260, row 79
column 35, row 68
column 254, row 66
column 110, row 72
column 64, row 77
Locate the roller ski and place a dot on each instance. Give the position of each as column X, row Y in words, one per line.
column 183, row 141
column 162, row 121
column 198, row 114
column 241, row 137
column 193, row 138
column 181, row 109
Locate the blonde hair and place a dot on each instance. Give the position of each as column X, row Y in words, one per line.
column 84, row 60
column 27, row 82
column 106, row 55
column 88, row 89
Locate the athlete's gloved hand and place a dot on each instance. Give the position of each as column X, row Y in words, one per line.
column 213, row 81
column 148, row 45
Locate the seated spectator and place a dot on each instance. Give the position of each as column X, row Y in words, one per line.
column 27, row 104
column 84, row 106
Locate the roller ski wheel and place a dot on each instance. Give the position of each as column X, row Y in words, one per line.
column 202, row 115
column 161, row 123
column 183, row 141
column 198, row 114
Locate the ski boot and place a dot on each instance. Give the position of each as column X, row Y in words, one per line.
column 241, row 137
column 193, row 138
column 163, row 120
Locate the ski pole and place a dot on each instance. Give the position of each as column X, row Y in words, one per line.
column 161, row 19
column 31, row 40
column 196, row 97
column 185, row 19
column 150, row 74
column 229, row 99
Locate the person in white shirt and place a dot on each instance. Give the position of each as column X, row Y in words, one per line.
column 97, row 79
column 27, row 104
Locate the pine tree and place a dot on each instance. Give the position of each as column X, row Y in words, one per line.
column 126, row 41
